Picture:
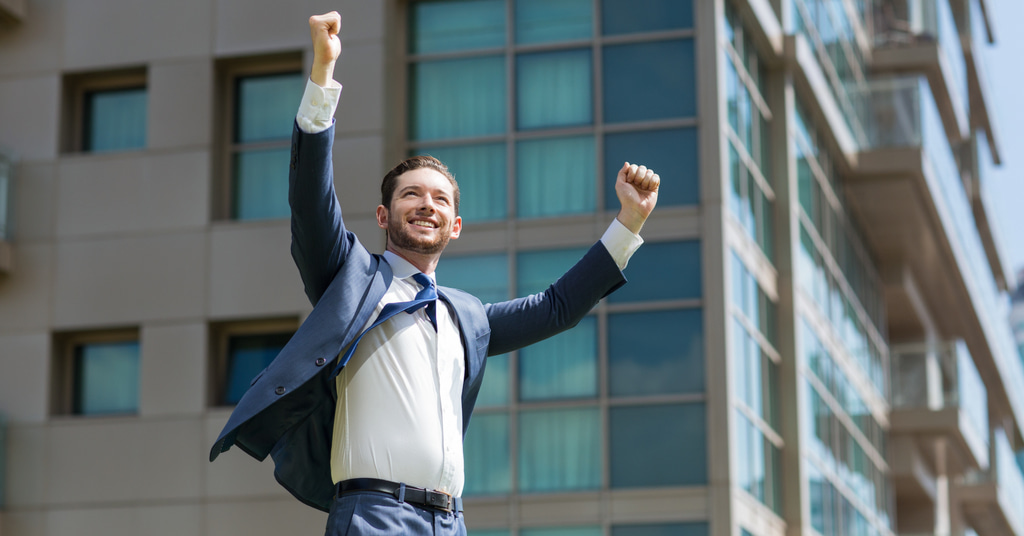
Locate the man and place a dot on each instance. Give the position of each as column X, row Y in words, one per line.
column 365, row 409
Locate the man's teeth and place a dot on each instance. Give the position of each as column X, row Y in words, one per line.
column 424, row 224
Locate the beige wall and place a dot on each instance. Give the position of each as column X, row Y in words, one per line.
column 126, row 239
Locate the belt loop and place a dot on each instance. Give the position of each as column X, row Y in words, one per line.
column 401, row 492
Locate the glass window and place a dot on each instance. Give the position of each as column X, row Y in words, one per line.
column 481, row 173
column 548, row 21
column 106, row 378
column 553, row 89
column 247, row 356
column 662, row 271
column 263, row 117
column 487, row 455
column 451, row 25
column 648, row 444
column 559, row 450
column 643, row 365
column 670, row 88
column 115, row 120
column 537, row 270
column 457, row 98
column 484, row 276
column 673, row 153
column 563, row 531
column 564, row 366
column 555, row 176
column 629, row 16
column 671, row 529
column 495, row 387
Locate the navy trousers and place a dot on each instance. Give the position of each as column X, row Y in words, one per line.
column 371, row 513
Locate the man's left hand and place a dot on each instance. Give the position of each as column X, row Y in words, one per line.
column 637, row 189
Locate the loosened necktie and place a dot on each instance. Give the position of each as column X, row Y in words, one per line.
column 426, row 297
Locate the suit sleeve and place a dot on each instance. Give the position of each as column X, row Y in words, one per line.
column 320, row 242
column 524, row 321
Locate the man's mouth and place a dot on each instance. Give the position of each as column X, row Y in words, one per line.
column 424, row 223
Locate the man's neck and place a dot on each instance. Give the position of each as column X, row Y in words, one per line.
column 424, row 262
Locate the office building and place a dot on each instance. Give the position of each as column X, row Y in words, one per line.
column 813, row 339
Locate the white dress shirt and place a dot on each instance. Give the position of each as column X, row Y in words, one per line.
column 399, row 413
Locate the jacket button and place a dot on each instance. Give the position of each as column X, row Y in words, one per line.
column 280, row 390
column 320, row 361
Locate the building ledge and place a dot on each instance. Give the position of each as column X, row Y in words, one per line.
column 969, row 449
column 986, row 511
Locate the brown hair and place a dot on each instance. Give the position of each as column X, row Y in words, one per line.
column 390, row 182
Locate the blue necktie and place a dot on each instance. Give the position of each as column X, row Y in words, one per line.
column 426, row 297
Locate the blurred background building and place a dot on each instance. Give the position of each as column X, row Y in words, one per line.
column 814, row 339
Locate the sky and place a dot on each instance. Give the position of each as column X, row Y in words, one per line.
column 1006, row 82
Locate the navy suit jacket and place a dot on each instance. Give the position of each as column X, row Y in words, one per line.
column 288, row 412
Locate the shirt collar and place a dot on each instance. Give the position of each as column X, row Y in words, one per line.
column 402, row 268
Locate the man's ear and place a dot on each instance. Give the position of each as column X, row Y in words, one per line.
column 382, row 217
column 457, row 227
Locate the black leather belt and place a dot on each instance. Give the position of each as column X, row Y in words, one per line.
column 428, row 498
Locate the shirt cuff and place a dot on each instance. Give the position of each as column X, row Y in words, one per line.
column 621, row 243
column 316, row 111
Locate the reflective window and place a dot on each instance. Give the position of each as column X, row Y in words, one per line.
column 555, row 176
column 264, row 114
column 487, row 454
column 495, row 387
column 643, row 365
column 554, row 89
column 480, row 170
column 673, row 153
column 549, row 21
column 564, row 366
column 629, row 16
column 662, row 271
column 537, row 270
column 457, row 98
column 115, row 120
column 247, row 356
column 451, row 25
column 559, row 450
column 484, row 276
column 562, row 531
column 669, row 69
column 648, row 444
column 670, row 529
column 106, row 378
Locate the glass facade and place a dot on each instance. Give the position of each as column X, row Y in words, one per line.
column 831, row 29
column 247, row 356
column 528, row 104
column 264, row 112
column 549, row 414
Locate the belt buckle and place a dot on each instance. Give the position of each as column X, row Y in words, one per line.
column 440, row 500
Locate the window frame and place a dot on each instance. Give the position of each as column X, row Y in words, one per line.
column 65, row 346
column 220, row 336
column 78, row 86
column 228, row 72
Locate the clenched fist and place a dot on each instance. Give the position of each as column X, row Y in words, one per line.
column 637, row 190
column 323, row 29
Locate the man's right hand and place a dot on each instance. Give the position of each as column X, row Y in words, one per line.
column 323, row 29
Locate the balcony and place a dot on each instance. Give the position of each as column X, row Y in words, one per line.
column 993, row 499
column 920, row 36
column 938, row 394
column 979, row 158
column 976, row 51
column 907, row 195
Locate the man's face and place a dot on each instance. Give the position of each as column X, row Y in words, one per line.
column 421, row 218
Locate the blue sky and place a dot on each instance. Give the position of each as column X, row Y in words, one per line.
column 1006, row 81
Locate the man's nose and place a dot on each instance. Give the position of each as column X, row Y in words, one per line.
column 427, row 203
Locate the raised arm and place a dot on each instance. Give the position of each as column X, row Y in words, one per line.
column 320, row 242
column 637, row 190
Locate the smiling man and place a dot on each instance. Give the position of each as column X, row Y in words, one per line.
column 365, row 409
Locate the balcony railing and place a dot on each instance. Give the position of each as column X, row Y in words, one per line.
column 912, row 22
column 1008, row 479
column 940, row 378
column 904, row 114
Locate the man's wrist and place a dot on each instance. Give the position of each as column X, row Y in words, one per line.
column 322, row 73
column 632, row 220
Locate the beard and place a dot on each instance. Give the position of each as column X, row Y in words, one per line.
column 400, row 237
